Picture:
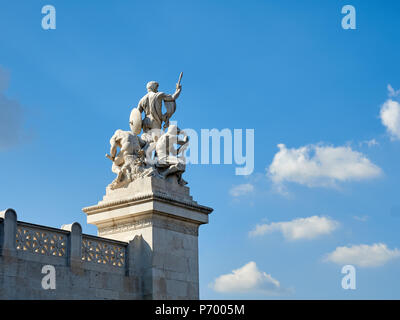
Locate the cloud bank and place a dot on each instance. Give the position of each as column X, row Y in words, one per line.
column 390, row 117
column 390, row 114
column 248, row 279
column 241, row 190
column 320, row 166
column 363, row 255
column 393, row 92
column 298, row 229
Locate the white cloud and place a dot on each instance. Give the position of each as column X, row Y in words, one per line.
column 248, row 279
column 392, row 92
column 297, row 229
column 369, row 143
column 390, row 117
column 241, row 190
column 363, row 255
column 361, row 218
column 320, row 166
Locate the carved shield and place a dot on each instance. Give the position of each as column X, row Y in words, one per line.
column 135, row 121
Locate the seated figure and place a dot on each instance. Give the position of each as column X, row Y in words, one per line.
column 128, row 162
column 170, row 160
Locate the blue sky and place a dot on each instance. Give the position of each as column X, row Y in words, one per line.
column 286, row 69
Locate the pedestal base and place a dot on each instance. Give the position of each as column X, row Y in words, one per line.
column 164, row 219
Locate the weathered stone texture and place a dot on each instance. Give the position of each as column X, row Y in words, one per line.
column 29, row 248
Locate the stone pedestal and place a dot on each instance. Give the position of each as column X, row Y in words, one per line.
column 162, row 219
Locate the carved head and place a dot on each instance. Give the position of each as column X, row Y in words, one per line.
column 152, row 86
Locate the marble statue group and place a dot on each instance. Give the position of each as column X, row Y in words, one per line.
column 153, row 147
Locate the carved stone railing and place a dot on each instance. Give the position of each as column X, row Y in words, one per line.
column 68, row 245
column 103, row 251
column 42, row 240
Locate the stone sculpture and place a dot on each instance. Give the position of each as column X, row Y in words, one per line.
column 128, row 162
column 168, row 159
column 153, row 153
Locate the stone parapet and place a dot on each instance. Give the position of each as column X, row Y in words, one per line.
column 87, row 267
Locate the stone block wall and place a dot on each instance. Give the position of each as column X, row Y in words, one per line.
column 175, row 263
column 86, row 267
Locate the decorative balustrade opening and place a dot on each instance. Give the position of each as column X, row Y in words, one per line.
column 36, row 239
column 103, row 251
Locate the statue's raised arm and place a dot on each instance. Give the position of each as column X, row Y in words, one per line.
column 151, row 105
